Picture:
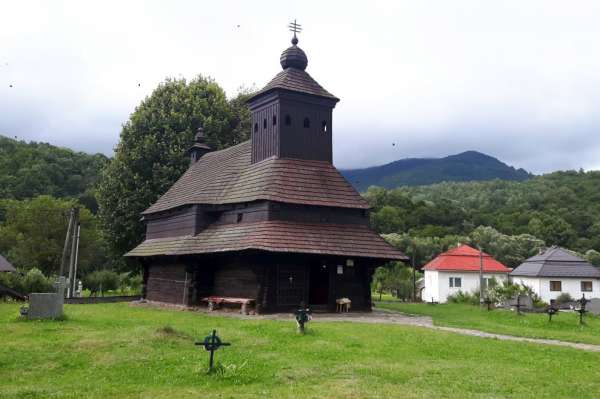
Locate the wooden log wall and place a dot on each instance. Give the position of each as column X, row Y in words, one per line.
column 235, row 280
column 167, row 282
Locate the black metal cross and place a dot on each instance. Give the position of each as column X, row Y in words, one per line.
column 488, row 302
column 518, row 305
column 302, row 317
column 552, row 310
column 212, row 343
column 581, row 310
column 295, row 27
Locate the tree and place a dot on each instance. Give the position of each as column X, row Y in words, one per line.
column 150, row 154
column 593, row 257
column 33, row 232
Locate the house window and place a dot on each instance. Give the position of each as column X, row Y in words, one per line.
column 455, row 282
column 255, row 127
column 586, row 286
column 265, row 123
column 288, row 120
column 555, row 286
column 240, row 216
column 306, row 122
column 324, row 126
column 274, row 120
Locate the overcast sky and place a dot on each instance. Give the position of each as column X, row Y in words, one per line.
column 519, row 80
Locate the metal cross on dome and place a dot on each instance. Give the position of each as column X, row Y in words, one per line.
column 296, row 28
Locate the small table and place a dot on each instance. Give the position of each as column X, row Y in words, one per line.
column 342, row 305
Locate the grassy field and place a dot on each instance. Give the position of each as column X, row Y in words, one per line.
column 565, row 326
column 120, row 351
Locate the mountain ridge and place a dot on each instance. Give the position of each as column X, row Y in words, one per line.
column 468, row 165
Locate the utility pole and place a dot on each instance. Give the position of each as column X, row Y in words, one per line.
column 74, row 282
column 73, row 250
column 63, row 261
column 480, row 276
column 414, row 266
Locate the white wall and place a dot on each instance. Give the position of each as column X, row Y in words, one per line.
column 437, row 283
column 541, row 286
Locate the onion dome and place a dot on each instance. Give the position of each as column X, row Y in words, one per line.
column 200, row 147
column 294, row 57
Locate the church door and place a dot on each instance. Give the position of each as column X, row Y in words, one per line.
column 291, row 285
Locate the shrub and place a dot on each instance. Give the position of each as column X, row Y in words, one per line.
column 504, row 292
column 565, row 297
column 464, row 297
column 35, row 281
column 101, row 281
column 135, row 283
column 13, row 280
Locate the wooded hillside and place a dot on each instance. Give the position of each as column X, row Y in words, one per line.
column 561, row 208
column 31, row 169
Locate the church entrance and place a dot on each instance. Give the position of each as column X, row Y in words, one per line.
column 318, row 284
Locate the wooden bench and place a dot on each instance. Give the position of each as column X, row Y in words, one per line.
column 215, row 301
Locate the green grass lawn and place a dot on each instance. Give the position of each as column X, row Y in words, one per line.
column 119, row 351
column 565, row 326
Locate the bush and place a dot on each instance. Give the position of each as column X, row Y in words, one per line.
column 101, row 281
column 565, row 297
column 464, row 297
column 504, row 292
column 35, row 281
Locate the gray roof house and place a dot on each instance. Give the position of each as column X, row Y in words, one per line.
column 5, row 265
column 558, row 271
column 556, row 262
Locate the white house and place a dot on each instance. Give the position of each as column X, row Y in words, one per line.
column 458, row 270
column 556, row 271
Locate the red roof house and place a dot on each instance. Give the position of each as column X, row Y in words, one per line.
column 457, row 270
column 467, row 259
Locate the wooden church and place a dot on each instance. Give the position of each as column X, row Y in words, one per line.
column 270, row 219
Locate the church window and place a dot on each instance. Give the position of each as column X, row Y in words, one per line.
column 288, row 120
column 306, row 122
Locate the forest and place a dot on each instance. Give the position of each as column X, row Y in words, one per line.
column 510, row 220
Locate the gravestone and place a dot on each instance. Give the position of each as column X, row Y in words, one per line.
column 48, row 305
column 593, row 306
column 521, row 302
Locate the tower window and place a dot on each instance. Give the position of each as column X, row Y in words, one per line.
column 274, row 120
column 324, row 126
column 306, row 122
column 240, row 217
column 265, row 123
column 256, row 128
column 288, row 120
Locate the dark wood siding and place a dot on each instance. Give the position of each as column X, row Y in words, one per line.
column 265, row 139
column 178, row 222
column 167, row 282
column 298, row 141
column 250, row 212
column 317, row 214
column 235, row 280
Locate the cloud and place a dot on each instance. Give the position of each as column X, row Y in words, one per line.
column 518, row 80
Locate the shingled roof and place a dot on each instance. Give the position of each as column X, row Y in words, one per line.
column 276, row 236
column 297, row 80
column 467, row 259
column 227, row 177
column 556, row 262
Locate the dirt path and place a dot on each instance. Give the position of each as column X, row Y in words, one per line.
column 382, row 316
